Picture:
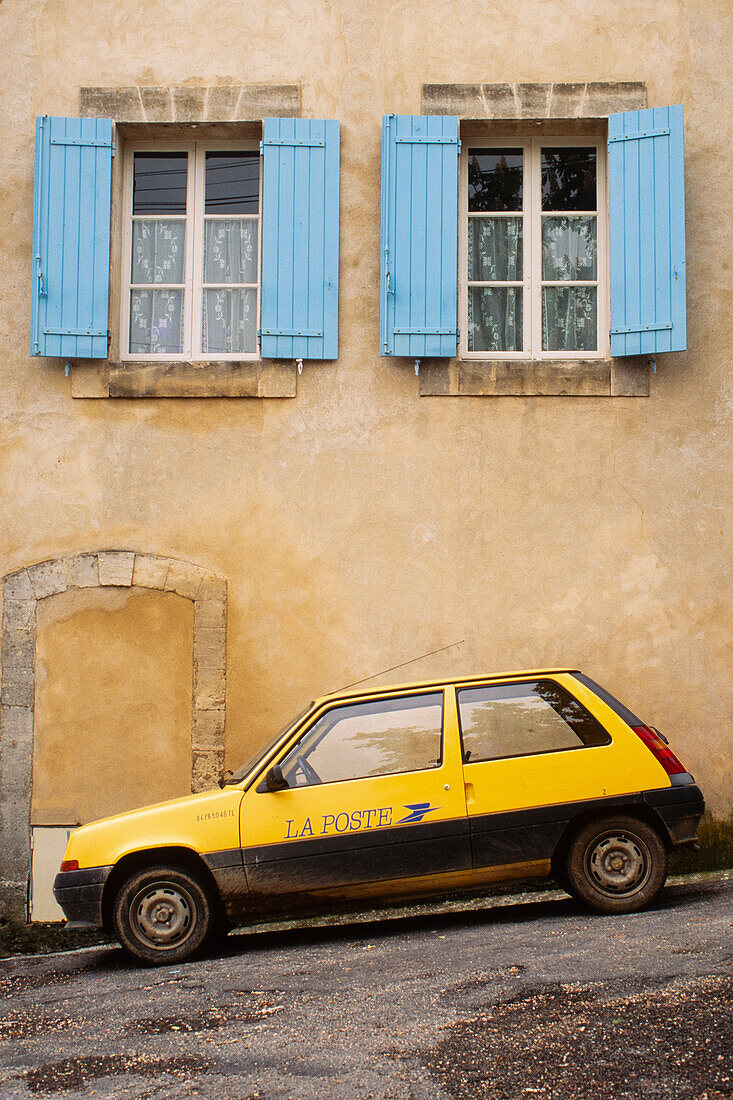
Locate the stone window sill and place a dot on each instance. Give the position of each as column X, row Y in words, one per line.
column 227, row 378
column 627, row 377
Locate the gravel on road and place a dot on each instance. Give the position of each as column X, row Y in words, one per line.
column 536, row 1000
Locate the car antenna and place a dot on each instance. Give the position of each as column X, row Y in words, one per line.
column 402, row 665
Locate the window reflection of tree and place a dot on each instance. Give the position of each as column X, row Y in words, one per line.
column 588, row 729
column 569, row 179
column 397, row 749
column 536, row 717
column 350, row 747
column 495, row 182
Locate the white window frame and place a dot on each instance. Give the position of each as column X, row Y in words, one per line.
column 194, row 218
column 532, row 281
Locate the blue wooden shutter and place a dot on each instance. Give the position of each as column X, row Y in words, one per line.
column 419, row 275
column 647, row 217
column 71, row 229
column 300, row 238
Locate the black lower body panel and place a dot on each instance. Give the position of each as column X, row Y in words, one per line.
column 305, row 866
column 680, row 808
column 227, row 867
column 79, row 893
column 522, row 835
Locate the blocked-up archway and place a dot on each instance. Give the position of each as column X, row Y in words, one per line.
column 112, row 568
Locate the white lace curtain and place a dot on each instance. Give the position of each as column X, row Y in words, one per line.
column 228, row 311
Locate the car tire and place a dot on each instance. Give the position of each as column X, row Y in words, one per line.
column 163, row 914
column 616, row 865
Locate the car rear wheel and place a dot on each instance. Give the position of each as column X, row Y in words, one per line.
column 163, row 914
column 617, row 865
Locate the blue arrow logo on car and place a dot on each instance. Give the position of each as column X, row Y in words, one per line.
column 419, row 809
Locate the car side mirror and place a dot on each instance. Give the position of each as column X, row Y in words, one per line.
column 275, row 780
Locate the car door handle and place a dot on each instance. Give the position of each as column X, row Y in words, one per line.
column 469, row 792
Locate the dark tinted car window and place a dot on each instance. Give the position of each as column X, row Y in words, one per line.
column 503, row 720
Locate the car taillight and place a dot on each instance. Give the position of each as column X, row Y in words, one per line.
column 660, row 749
column 69, row 865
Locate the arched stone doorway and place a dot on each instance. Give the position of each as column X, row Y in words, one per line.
column 110, row 568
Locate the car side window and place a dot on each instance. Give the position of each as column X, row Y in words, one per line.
column 504, row 720
column 379, row 737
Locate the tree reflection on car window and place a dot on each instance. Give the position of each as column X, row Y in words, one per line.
column 505, row 720
column 378, row 737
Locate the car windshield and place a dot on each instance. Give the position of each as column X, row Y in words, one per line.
column 249, row 764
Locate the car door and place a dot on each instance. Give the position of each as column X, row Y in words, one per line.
column 532, row 755
column 374, row 796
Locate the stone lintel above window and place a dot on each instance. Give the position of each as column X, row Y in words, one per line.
column 189, row 104
column 535, row 378
column 593, row 99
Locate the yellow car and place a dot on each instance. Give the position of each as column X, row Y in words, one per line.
column 415, row 790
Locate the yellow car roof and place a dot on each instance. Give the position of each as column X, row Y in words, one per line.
column 351, row 690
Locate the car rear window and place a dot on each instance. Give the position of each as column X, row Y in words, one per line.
column 524, row 719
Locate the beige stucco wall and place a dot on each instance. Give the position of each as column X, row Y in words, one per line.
column 113, row 703
column 359, row 525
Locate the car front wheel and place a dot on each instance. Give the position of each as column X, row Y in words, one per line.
column 616, row 866
column 163, row 914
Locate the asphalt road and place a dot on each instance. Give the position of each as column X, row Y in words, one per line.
column 529, row 1000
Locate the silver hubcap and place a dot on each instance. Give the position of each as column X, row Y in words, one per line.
column 618, row 864
column 163, row 914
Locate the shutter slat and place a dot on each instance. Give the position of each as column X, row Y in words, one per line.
column 68, row 263
column 647, row 224
column 71, row 235
column 419, row 273
column 300, row 217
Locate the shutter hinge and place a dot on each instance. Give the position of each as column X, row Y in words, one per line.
column 641, row 328
column 262, row 147
column 640, row 134
column 114, row 148
column 426, row 332
column 291, row 332
column 259, row 335
column 83, row 144
column 292, row 143
column 76, row 332
column 459, row 147
column 422, row 139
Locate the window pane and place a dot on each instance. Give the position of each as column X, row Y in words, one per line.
column 232, row 183
column 229, row 322
column 495, row 318
column 494, row 249
column 159, row 183
column 569, row 178
column 230, row 250
column 376, row 738
column 156, row 321
column 521, row 719
column 495, row 179
column 569, row 248
column 569, row 318
column 158, row 251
